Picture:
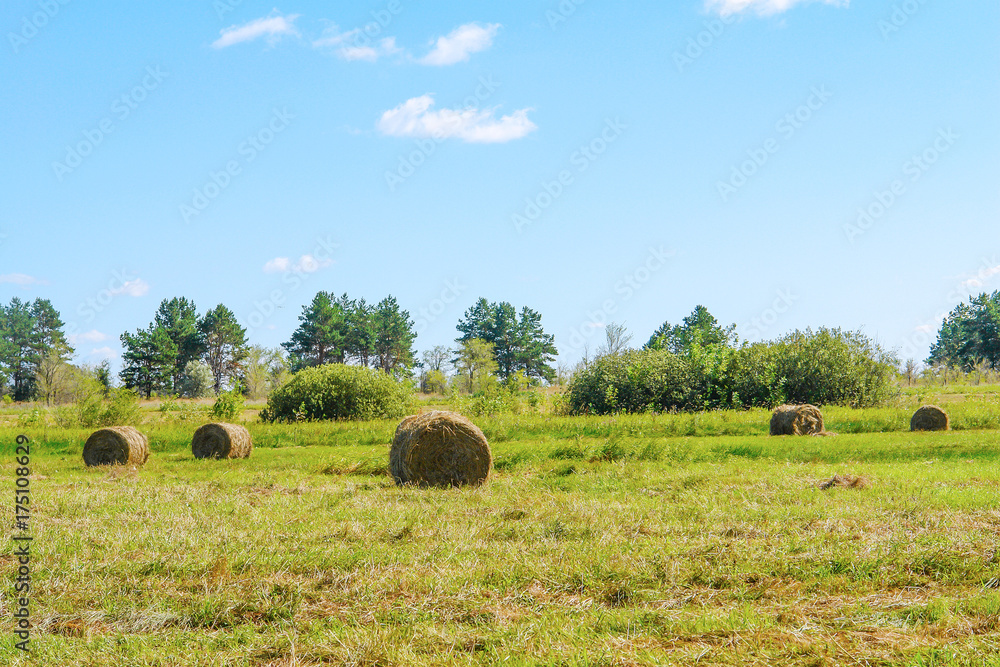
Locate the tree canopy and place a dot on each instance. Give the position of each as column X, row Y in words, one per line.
column 970, row 335
column 519, row 342
column 699, row 327
column 31, row 336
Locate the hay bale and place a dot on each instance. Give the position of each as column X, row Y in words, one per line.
column 221, row 441
column 439, row 448
column 117, row 445
column 929, row 418
column 797, row 420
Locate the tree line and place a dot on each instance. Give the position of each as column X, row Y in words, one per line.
column 969, row 337
column 182, row 352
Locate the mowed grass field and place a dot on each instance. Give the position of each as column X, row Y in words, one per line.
column 680, row 539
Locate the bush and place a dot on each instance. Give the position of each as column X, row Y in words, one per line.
column 495, row 399
column 197, row 380
column 122, row 410
column 229, row 405
column 825, row 367
column 337, row 391
column 636, row 381
column 831, row 366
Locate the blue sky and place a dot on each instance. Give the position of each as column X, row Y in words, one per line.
column 785, row 163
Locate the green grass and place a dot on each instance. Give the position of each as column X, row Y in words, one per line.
column 677, row 539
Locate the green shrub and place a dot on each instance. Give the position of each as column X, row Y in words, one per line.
column 832, row 366
column 495, row 399
column 229, row 405
column 34, row 417
column 337, row 391
column 824, row 367
column 636, row 381
column 122, row 410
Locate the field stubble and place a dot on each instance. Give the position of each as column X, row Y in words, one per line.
column 598, row 541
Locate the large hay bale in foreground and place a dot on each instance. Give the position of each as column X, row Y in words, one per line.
column 439, row 448
column 929, row 418
column 117, row 445
column 797, row 420
column 221, row 441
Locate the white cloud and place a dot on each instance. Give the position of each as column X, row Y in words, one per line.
column 21, row 279
column 92, row 336
column 137, row 287
column 305, row 264
column 762, row 7
column 272, row 26
column 277, row 265
column 386, row 47
column 456, row 46
column 348, row 46
column 415, row 118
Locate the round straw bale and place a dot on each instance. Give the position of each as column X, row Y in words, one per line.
column 929, row 418
column 221, row 441
column 117, row 445
column 796, row 420
column 439, row 448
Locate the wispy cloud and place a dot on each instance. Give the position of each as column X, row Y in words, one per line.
column 305, row 264
column 92, row 336
column 456, row 46
column 137, row 287
column 415, row 118
column 762, row 7
column 350, row 45
column 21, row 279
column 273, row 27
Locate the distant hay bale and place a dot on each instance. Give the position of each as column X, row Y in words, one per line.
column 846, row 481
column 439, row 448
column 929, row 418
column 117, row 445
column 797, row 420
column 221, row 441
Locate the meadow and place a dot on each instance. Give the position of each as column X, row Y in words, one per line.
column 626, row 540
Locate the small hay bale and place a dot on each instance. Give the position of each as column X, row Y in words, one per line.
column 846, row 481
column 439, row 448
column 797, row 420
column 929, row 418
column 221, row 441
column 117, row 445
